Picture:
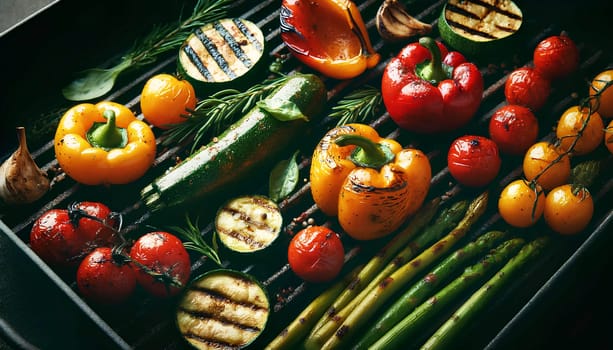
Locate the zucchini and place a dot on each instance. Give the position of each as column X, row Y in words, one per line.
column 222, row 309
column 480, row 27
column 229, row 50
column 252, row 142
column 249, row 223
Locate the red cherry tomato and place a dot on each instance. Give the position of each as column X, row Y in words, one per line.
column 105, row 278
column 63, row 237
column 556, row 57
column 514, row 129
column 527, row 87
column 164, row 255
column 473, row 160
column 316, row 254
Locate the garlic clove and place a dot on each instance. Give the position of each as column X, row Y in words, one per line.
column 395, row 24
column 21, row 180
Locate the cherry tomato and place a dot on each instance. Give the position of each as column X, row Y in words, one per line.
column 514, row 129
column 556, row 56
column 105, row 278
column 568, row 211
column 571, row 129
column 164, row 255
column 63, row 237
column 601, row 93
column 537, row 163
column 608, row 138
column 316, row 254
column 473, row 160
column 166, row 100
column 521, row 203
column 527, row 87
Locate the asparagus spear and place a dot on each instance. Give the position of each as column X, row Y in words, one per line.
column 428, row 285
column 475, row 303
column 373, row 275
column 335, row 333
column 425, row 312
column 301, row 325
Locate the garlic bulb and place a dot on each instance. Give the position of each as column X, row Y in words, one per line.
column 395, row 24
column 21, row 180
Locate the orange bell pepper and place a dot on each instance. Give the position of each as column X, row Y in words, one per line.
column 103, row 144
column 371, row 183
column 328, row 36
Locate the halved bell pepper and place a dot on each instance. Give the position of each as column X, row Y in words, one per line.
column 328, row 35
column 103, row 143
column 371, row 183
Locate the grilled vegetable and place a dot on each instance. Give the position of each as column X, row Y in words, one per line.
column 475, row 304
column 251, row 142
column 21, row 180
column 426, row 311
column 480, row 28
column 104, row 143
column 371, row 183
column 395, row 24
column 248, row 224
column 229, row 50
column 338, row 331
column 223, row 309
column 425, row 287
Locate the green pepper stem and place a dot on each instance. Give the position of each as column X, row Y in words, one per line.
column 368, row 154
column 107, row 135
column 433, row 71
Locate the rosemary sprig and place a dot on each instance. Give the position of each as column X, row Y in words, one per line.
column 96, row 82
column 358, row 106
column 217, row 111
column 194, row 240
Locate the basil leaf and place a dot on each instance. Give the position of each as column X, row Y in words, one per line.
column 285, row 111
column 283, row 178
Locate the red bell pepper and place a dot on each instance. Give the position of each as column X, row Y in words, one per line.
column 428, row 89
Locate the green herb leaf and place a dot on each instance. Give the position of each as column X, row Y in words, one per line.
column 285, row 111
column 194, row 240
column 358, row 106
column 283, row 178
column 94, row 83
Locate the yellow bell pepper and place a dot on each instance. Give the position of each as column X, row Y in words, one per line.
column 371, row 183
column 103, row 143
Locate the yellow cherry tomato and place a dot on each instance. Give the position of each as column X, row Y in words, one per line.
column 521, row 203
column 568, row 211
column 546, row 163
column 166, row 100
column 577, row 126
column 602, row 85
column 608, row 138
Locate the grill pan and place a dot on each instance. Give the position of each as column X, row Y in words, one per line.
column 41, row 306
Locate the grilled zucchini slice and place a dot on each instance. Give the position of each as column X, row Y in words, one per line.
column 480, row 27
column 248, row 223
column 223, row 309
column 221, row 53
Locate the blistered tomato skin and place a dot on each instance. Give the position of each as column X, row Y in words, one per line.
column 576, row 131
column 102, row 279
column 601, row 93
column 556, row 57
column 163, row 254
column 547, row 164
column 473, row 161
column 521, row 203
column 316, row 254
column 527, row 87
column 514, row 129
column 568, row 212
column 167, row 100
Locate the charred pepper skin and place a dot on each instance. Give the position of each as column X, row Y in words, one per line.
column 427, row 89
column 372, row 196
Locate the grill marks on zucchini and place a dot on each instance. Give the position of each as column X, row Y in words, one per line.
column 223, row 309
column 483, row 20
column 248, row 223
column 222, row 51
